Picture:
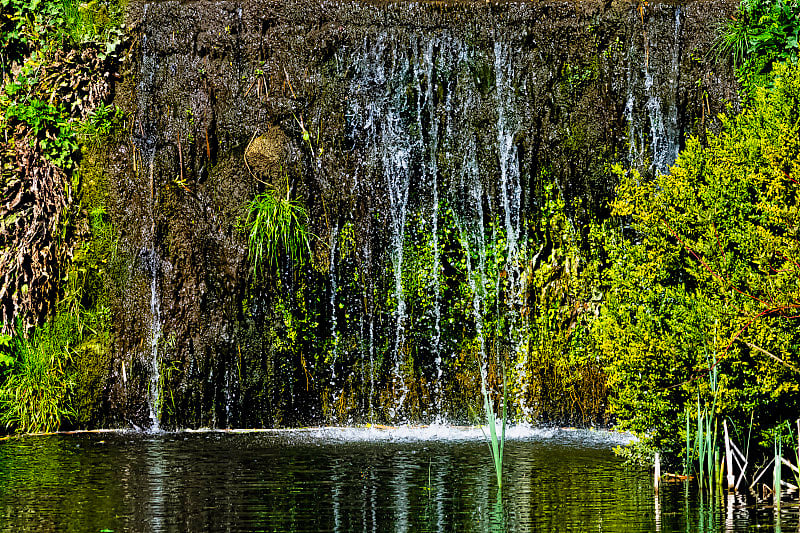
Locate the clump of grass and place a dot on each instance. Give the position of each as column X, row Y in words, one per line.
column 707, row 431
column 35, row 395
column 100, row 125
column 276, row 225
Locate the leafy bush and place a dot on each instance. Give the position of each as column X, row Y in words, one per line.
column 23, row 24
column 49, row 129
column 30, row 25
column 708, row 280
column 761, row 32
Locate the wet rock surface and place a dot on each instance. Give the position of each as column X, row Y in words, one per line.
column 375, row 115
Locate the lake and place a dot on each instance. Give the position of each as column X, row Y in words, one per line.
column 350, row 479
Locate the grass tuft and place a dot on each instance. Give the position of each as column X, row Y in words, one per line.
column 276, row 225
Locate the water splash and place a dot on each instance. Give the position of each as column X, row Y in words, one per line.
column 331, row 435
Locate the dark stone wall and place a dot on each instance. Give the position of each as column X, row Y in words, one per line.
column 587, row 84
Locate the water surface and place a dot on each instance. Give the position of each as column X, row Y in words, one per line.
column 333, row 479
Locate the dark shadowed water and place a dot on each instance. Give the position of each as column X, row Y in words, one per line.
column 434, row 479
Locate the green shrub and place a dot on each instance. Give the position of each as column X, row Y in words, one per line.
column 49, row 129
column 23, row 26
column 762, row 32
column 706, row 280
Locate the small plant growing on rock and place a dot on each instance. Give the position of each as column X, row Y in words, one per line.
column 276, row 225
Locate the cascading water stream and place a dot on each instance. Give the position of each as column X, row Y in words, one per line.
column 145, row 145
column 510, row 187
column 379, row 120
column 429, row 165
column 332, row 275
column 334, row 237
column 660, row 107
column 370, row 409
column 396, row 157
column 472, row 228
column 664, row 114
column 154, row 399
column 144, row 151
column 511, row 197
column 152, row 266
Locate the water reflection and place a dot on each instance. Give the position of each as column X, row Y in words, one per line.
column 157, row 479
column 309, row 481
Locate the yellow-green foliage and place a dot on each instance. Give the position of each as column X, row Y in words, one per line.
column 49, row 367
column 709, row 276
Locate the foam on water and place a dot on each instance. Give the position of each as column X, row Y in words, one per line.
column 438, row 433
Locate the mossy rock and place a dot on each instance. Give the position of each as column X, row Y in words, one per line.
column 266, row 154
column 92, row 366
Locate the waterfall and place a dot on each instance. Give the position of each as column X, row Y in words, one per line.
column 395, row 157
column 396, row 116
column 153, row 260
column 154, row 399
column 332, row 274
column 660, row 106
column 431, row 171
column 378, row 121
column 472, row 235
column 511, row 195
column 334, row 237
column 510, row 187
column 145, row 144
column 436, row 130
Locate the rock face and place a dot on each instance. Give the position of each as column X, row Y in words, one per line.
column 420, row 137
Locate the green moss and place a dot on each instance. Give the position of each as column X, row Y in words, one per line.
column 90, row 364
